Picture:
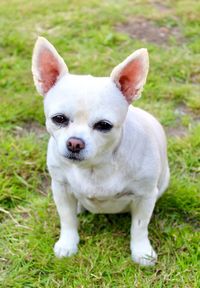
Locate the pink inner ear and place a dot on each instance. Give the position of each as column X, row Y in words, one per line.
column 129, row 79
column 49, row 70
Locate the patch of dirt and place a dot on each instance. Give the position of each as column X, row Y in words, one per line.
column 194, row 222
column 25, row 215
column 50, row 30
column 45, row 185
column 183, row 110
column 179, row 131
column 195, row 77
column 161, row 7
column 148, row 31
column 30, row 127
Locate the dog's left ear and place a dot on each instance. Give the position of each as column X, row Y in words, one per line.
column 130, row 75
column 47, row 66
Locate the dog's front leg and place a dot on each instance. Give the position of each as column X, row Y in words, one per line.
column 66, row 204
column 141, row 249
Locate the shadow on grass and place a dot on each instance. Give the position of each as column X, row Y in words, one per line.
column 178, row 208
column 98, row 223
column 170, row 208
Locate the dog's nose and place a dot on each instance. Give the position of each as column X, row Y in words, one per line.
column 75, row 144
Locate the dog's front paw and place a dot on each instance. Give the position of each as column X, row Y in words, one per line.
column 65, row 248
column 143, row 253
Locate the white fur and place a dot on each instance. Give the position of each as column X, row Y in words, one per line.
column 125, row 169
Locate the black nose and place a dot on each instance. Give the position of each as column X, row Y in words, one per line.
column 75, row 144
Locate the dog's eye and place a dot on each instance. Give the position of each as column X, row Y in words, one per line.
column 103, row 126
column 60, row 119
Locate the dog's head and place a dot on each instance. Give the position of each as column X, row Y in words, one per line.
column 85, row 114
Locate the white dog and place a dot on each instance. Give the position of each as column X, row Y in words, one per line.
column 103, row 154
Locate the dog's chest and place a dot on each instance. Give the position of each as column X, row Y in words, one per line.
column 101, row 191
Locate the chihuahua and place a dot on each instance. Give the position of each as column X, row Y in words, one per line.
column 104, row 155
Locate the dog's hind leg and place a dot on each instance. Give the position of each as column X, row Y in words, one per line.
column 164, row 182
column 141, row 249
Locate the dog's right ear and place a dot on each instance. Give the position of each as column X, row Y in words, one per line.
column 47, row 66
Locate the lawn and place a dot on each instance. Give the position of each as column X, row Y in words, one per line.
column 94, row 36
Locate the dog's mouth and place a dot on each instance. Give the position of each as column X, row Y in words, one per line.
column 74, row 157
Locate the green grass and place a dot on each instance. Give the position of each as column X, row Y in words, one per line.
column 85, row 34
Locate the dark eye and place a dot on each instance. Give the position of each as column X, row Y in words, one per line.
column 60, row 119
column 103, row 126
